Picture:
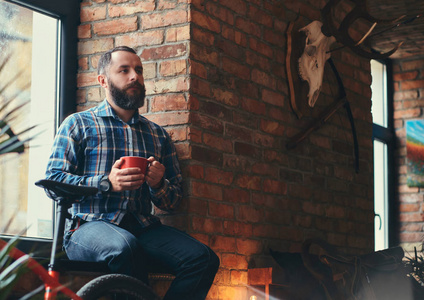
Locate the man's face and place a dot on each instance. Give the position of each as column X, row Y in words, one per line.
column 125, row 81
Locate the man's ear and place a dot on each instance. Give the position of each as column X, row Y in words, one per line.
column 102, row 80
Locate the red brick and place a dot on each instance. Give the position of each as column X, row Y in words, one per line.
column 205, row 190
column 137, row 39
column 183, row 151
column 207, row 225
column 167, row 85
column 236, row 195
column 248, row 213
column 408, row 113
column 405, row 208
column 84, row 31
column 313, row 208
column 232, row 292
column 266, row 231
column 206, row 155
column 202, row 54
column 207, row 123
column 264, row 140
column 411, row 237
column 238, row 229
column 253, row 106
column 234, row 261
column 178, row 133
column 173, row 67
column 223, row 244
column 235, row 68
column 95, row 46
column 248, row 246
column 170, row 118
column 194, row 135
column 220, row 12
column 203, row 37
column 248, row 27
column 168, row 102
column 239, row 133
column 87, row 79
column 163, row 52
column 218, row 176
column 194, row 171
column 260, row 16
column 335, row 212
column 417, row 64
column 115, row 26
column 272, row 127
column 164, row 19
column 177, row 34
column 274, row 186
column 411, row 217
column 414, row 84
column 197, row 206
column 239, row 277
column 131, row 9
column 273, row 98
column 261, row 48
column 221, row 210
column 90, row 14
column 263, row 78
column 83, row 64
column 249, row 182
column 225, row 97
column 200, row 87
column 198, row 69
column 204, row 21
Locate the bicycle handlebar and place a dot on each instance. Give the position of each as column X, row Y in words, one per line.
column 66, row 190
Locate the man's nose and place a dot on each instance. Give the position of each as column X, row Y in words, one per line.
column 136, row 76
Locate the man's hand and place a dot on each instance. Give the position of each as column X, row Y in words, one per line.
column 125, row 179
column 155, row 173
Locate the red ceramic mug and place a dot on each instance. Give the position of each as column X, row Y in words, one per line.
column 135, row 162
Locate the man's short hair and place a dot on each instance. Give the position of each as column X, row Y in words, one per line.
column 104, row 61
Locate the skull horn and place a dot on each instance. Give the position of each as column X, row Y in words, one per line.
column 342, row 35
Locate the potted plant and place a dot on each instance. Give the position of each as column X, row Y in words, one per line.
column 10, row 141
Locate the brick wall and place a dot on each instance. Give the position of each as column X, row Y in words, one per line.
column 408, row 102
column 215, row 77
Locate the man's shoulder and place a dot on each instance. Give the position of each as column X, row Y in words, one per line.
column 154, row 127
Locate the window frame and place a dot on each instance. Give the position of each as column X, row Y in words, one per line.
column 387, row 136
column 68, row 12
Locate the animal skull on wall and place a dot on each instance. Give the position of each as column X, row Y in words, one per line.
column 312, row 61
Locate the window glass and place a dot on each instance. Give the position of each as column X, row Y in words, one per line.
column 28, row 41
column 381, row 162
column 379, row 92
column 380, row 196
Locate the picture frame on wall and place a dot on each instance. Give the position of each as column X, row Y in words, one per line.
column 415, row 152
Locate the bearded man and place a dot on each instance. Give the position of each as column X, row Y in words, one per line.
column 116, row 225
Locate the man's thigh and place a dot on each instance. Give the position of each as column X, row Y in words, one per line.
column 168, row 248
column 101, row 241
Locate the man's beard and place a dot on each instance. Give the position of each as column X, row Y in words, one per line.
column 128, row 101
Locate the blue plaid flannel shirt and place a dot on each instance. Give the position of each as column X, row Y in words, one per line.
column 86, row 146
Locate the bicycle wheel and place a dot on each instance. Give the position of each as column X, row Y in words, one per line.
column 116, row 286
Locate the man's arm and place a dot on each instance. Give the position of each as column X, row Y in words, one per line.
column 63, row 162
column 164, row 178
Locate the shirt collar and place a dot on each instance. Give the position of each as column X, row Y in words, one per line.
column 104, row 109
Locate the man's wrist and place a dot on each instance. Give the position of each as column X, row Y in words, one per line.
column 159, row 185
column 105, row 185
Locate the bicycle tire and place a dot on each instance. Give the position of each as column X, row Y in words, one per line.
column 116, row 286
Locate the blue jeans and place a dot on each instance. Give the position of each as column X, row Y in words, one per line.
column 160, row 248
